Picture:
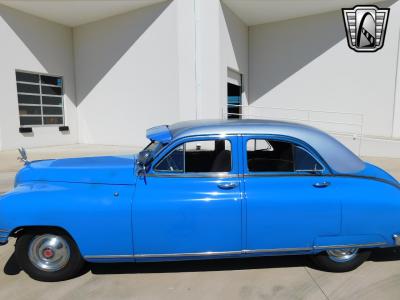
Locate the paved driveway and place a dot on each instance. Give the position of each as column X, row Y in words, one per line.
column 288, row 277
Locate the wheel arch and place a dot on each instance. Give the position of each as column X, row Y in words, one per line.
column 20, row 230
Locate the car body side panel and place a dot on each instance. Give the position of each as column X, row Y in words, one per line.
column 186, row 215
column 97, row 216
column 369, row 207
column 288, row 212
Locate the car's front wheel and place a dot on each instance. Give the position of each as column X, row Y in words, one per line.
column 341, row 260
column 48, row 256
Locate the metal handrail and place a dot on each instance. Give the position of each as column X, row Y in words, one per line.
column 359, row 123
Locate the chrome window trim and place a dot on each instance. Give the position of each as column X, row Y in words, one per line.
column 161, row 173
column 195, row 175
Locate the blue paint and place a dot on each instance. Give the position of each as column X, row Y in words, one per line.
column 191, row 214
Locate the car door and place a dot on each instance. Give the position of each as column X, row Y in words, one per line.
column 190, row 201
column 289, row 199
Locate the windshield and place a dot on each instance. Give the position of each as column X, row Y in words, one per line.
column 150, row 151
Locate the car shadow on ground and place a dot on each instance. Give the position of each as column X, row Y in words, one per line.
column 378, row 255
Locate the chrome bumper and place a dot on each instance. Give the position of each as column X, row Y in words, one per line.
column 4, row 234
column 396, row 238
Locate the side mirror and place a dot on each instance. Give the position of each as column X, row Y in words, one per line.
column 141, row 171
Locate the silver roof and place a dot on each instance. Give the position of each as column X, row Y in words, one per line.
column 336, row 155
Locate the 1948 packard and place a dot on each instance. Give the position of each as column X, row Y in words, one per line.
column 200, row 190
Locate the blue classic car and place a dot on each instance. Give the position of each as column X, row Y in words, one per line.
column 200, row 190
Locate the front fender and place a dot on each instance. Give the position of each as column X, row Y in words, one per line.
column 97, row 216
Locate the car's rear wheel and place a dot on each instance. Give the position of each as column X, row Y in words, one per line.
column 341, row 260
column 48, row 255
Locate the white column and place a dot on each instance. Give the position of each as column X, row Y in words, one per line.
column 208, row 61
column 186, row 58
column 396, row 107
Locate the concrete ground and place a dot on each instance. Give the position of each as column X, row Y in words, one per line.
column 289, row 277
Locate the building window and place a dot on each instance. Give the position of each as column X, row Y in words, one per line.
column 40, row 99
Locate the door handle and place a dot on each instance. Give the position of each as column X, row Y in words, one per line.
column 322, row 184
column 227, row 186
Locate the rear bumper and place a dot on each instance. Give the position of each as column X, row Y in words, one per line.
column 4, row 234
column 396, row 238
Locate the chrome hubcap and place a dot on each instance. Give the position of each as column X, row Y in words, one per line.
column 49, row 252
column 342, row 255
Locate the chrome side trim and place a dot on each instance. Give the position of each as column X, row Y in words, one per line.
column 108, row 256
column 197, row 254
column 209, row 253
column 351, row 246
column 212, row 253
column 5, row 230
column 276, row 250
column 293, row 174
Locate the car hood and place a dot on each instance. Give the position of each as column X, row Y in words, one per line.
column 104, row 169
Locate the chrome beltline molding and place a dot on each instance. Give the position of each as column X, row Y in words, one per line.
column 212, row 253
column 195, row 175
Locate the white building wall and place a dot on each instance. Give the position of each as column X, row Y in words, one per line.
column 127, row 75
column 186, row 26
column 306, row 64
column 234, row 50
column 33, row 44
column 208, row 59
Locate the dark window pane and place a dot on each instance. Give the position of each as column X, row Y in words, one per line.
column 51, row 90
column 269, row 156
column 53, row 120
column 304, row 161
column 51, row 80
column 51, row 100
column 27, row 77
column 49, row 110
column 173, row 162
column 27, row 88
column 29, row 110
column 29, row 99
column 208, row 156
column 30, row 121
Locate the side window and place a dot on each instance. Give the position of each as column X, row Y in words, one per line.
column 173, row 162
column 304, row 161
column 198, row 157
column 277, row 156
column 269, row 156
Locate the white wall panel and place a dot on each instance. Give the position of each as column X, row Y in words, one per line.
column 305, row 63
column 127, row 75
column 33, row 44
